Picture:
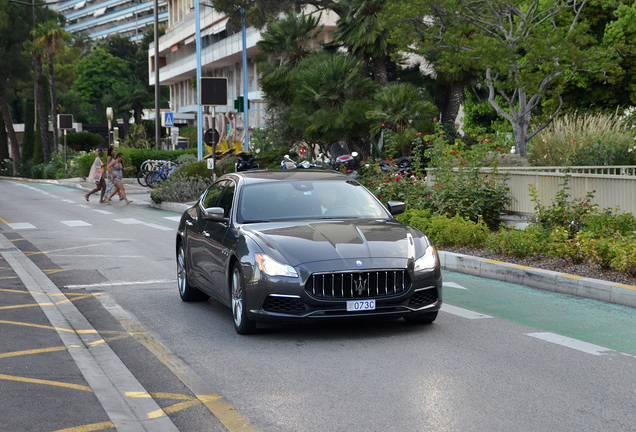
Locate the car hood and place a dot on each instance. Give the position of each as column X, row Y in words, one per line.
column 305, row 242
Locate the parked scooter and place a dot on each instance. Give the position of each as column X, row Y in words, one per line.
column 288, row 163
column 340, row 155
column 246, row 162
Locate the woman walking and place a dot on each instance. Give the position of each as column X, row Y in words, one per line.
column 116, row 169
column 97, row 175
column 109, row 181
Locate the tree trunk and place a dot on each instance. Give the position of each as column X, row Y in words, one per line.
column 56, row 139
column 39, row 100
column 380, row 74
column 453, row 99
column 8, row 123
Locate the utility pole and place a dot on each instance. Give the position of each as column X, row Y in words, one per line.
column 157, row 87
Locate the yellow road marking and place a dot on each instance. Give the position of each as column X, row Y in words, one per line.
column 521, row 267
column 20, row 239
column 9, row 277
column 173, row 408
column 25, row 306
column 47, row 382
column 48, row 304
column 33, row 351
column 569, row 276
column 15, row 291
column 61, row 328
column 89, row 428
column 4, row 220
column 51, row 271
column 494, row 262
column 159, row 395
column 629, row 287
column 33, row 253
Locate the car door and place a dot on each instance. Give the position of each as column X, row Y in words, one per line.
column 220, row 244
column 198, row 241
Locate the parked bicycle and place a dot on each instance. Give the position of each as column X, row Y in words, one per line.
column 156, row 167
column 155, row 177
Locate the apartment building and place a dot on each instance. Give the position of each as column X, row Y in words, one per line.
column 102, row 18
column 221, row 56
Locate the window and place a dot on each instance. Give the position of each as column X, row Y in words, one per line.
column 213, row 194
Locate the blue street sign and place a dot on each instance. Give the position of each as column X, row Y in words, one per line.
column 168, row 119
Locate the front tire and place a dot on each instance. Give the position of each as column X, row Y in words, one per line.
column 242, row 324
column 420, row 318
column 186, row 291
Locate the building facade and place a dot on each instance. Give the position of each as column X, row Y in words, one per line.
column 102, row 18
column 221, row 56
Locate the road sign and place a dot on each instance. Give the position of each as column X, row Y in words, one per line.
column 213, row 91
column 167, row 120
column 211, row 137
column 65, row 121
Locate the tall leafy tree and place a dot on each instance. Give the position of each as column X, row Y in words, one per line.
column 4, row 144
column 28, row 139
column 35, row 52
column 14, row 29
column 365, row 35
column 49, row 36
column 524, row 48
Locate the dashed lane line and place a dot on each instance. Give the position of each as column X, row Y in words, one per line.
column 102, row 369
column 578, row 345
column 464, row 313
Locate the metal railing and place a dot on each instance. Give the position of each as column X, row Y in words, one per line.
column 613, row 186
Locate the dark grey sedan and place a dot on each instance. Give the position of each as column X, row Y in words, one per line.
column 299, row 244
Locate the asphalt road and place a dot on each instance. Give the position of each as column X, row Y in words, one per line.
column 500, row 356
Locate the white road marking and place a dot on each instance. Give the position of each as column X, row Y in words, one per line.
column 161, row 227
column 78, row 247
column 111, row 284
column 103, row 211
column 131, row 221
column 20, row 225
column 464, row 313
column 453, row 285
column 75, row 223
column 69, row 201
column 173, row 218
column 572, row 343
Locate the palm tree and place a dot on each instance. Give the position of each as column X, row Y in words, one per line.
column 35, row 51
column 364, row 34
column 49, row 35
column 403, row 109
column 285, row 43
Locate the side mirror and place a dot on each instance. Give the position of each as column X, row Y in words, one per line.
column 396, row 207
column 214, row 214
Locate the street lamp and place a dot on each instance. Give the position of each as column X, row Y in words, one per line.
column 109, row 116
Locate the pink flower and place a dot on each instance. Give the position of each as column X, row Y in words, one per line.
column 435, row 119
column 397, row 179
column 441, row 133
column 379, row 196
column 486, row 175
column 463, row 162
column 419, row 133
column 441, row 184
column 486, row 141
column 371, row 182
column 498, row 148
column 454, row 152
column 387, row 180
column 573, row 140
column 428, row 196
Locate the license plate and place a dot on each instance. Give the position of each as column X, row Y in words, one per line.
column 360, row 305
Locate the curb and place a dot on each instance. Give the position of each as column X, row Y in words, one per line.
column 564, row 283
column 74, row 183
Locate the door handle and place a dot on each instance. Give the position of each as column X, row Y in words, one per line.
column 189, row 223
column 205, row 233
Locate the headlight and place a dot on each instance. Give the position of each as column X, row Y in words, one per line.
column 426, row 262
column 271, row 267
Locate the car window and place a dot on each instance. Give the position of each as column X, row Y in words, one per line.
column 213, row 194
column 307, row 200
column 226, row 199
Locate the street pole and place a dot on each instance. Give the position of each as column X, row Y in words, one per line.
column 157, row 88
column 65, row 164
column 246, row 145
column 197, row 29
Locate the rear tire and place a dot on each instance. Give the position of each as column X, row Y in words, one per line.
column 242, row 324
column 141, row 177
column 420, row 318
column 186, row 291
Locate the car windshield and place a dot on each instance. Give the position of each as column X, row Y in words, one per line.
column 285, row 200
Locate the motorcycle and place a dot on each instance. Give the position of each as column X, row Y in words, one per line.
column 340, row 155
column 246, row 162
column 288, row 163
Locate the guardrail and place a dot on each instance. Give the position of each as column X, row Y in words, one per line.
column 613, row 186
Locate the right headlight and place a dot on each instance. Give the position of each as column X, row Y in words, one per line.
column 426, row 262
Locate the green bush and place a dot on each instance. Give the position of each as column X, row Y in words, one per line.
column 625, row 256
column 82, row 141
column 447, row 231
column 37, row 171
column 531, row 241
column 194, row 169
column 181, row 189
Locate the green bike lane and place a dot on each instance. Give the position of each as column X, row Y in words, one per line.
column 608, row 325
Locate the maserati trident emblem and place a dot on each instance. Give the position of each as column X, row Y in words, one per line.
column 359, row 263
column 361, row 284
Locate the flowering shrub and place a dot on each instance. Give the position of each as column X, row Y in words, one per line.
column 629, row 120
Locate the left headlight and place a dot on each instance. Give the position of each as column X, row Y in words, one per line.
column 271, row 267
column 426, row 262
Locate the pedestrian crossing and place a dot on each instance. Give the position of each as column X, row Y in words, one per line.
column 17, row 226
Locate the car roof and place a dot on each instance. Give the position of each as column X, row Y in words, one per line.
column 258, row 176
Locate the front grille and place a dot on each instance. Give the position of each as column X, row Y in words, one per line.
column 283, row 304
column 364, row 284
column 423, row 298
